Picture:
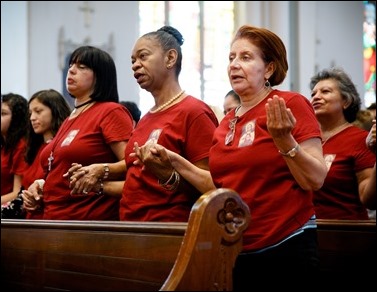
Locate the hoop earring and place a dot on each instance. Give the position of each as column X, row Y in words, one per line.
column 267, row 84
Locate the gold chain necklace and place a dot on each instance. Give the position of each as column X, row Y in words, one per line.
column 243, row 108
column 170, row 101
column 336, row 131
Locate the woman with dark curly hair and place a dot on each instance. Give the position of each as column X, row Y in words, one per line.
column 47, row 111
column 13, row 133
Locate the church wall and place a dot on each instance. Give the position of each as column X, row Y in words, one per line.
column 34, row 33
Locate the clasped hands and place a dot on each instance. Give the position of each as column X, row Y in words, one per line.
column 84, row 179
column 154, row 158
column 32, row 197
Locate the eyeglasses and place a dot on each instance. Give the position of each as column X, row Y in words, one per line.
column 232, row 129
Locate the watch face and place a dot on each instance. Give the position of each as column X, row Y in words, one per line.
column 292, row 153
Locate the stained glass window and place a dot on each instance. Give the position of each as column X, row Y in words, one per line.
column 369, row 41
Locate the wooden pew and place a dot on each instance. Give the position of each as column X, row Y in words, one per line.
column 347, row 251
column 199, row 255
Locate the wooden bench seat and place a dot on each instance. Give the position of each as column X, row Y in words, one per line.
column 199, row 255
column 150, row 256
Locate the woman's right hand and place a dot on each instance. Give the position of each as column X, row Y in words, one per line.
column 155, row 158
column 32, row 197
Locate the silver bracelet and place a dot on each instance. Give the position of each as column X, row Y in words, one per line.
column 170, row 184
column 291, row 153
column 168, row 180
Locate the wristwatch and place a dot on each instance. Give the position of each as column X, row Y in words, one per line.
column 291, row 153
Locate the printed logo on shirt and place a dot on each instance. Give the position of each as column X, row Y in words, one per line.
column 248, row 134
column 71, row 135
column 154, row 135
column 329, row 158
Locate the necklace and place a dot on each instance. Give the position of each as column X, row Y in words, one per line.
column 241, row 109
column 57, row 139
column 170, row 101
column 336, row 131
column 81, row 105
column 85, row 103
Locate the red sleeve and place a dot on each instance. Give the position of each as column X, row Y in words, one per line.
column 12, row 162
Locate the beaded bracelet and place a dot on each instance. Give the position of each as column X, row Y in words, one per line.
column 106, row 171
column 100, row 192
column 170, row 184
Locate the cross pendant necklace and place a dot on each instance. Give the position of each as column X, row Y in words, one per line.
column 57, row 139
column 50, row 159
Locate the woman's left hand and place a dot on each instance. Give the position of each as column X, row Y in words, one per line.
column 83, row 179
column 280, row 120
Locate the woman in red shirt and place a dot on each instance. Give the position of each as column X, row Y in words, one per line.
column 13, row 131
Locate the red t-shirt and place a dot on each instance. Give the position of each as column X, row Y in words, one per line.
column 253, row 167
column 345, row 154
column 85, row 140
column 12, row 162
column 34, row 171
column 185, row 128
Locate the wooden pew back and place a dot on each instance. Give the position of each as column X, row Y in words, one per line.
column 347, row 250
column 127, row 256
